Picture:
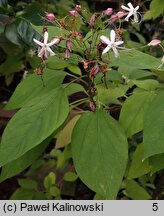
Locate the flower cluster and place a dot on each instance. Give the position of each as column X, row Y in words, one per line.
column 44, row 50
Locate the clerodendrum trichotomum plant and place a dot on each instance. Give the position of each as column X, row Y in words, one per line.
column 111, row 89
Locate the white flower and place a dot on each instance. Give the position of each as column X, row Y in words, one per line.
column 44, row 50
column 111, row 44
column 131, row 12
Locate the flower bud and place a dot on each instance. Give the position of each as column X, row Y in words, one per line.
column 92, row 106
column 154, row 42
column 108, row 11
column 50, row 16
column 92, row 20
column 78, row 8
column 120, row 14
column 114, row 17
column 73, row 13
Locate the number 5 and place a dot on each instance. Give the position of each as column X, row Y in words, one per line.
column 155, row 207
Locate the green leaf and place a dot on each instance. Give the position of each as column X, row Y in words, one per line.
column 64, row 157
column 32, row 124
column 22, row 194
column 11, row 65
column 135, row 59
column 133, row 112
column 18, row 165
column 74, row 88
column 100, row 152
column 149, row 84
column 32, row 87
column 111, row 95
column 153, row 139
column 156, row 9
column 49, row 180
column 12, row 34
column 55, row 63
column 135, row 191
column 133, row 73
column 54, row 191
column 74, row 69
column 64, row 137
column 27, row 33
column 70, row 176
column 138, row 167
column 28, row 184
column 52, row 31
column 156, row 162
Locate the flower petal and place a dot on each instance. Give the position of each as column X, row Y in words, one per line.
column 45, row 37
column 130, row 5
column 50, row 51
column 41, row 52
column 128, row 16
column 106, row 49
column 105, row 40
column 112, row 36
column 54, row 41
column 136, row 8
column 118, row 43
column 38, row 42
column 115, row 52
column 125, row 8
column 135, row 20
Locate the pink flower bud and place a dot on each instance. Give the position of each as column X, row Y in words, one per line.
column 50, row 16
column 73, row 13
column 92, row 20
column 78, row 8
column 92, row 106
column 114, row 17
column 108, row 11
column 154, row 42
column 120, row 14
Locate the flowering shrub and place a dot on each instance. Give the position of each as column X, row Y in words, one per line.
column 90, row 55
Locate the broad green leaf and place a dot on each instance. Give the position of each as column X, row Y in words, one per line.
column 35, row 12
column 100, row 152
column 64, row 157
column 54, row 191
column 135, row 59
column 153, row 139
column 55, row 63
column 22, row 194
column 64, row 137
column 33, row 87
column 156, row 9
column 133, row 73
column 73, row 88
column 27, row 184
column 149, row 84
column 135, row 191
column 156, row 162
column 11, row 65
column 70, row 176
column 12, row 34
column 52, row 31
column 49, row 180
column 27, row 33
column 20, row 164
column 32, row 124
column 111, row 95
column 138, row 167
column 133, row 112
column 74, row 69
